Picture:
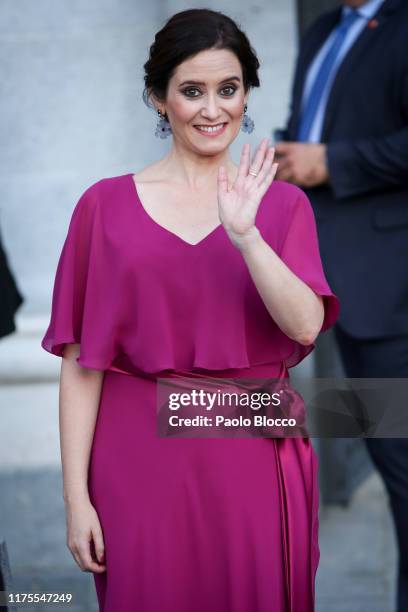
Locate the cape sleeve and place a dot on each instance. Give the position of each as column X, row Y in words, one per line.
column 300, row 252
column 80, row 298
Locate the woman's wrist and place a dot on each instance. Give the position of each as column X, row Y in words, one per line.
column 250, row 241
column 74, row 494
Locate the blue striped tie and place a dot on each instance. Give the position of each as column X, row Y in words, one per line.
column 312, row 103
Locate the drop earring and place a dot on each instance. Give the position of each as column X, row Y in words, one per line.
column 163, row 128
column 247, row 124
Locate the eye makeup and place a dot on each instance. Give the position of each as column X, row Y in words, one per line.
column 232, row 88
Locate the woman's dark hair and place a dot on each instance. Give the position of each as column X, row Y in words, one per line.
column 188, row 33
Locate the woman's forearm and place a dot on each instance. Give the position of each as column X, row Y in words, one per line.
column 78, row 408
column 295, row 308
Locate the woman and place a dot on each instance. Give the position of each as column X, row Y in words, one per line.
column 190, row 267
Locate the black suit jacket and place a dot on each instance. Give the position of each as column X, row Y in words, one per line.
column 11, row 298
column 362, row 217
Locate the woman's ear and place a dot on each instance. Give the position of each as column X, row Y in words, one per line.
column 154, row 101
column 158, row 105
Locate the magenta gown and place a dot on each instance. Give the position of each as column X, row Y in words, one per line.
column 189, row 525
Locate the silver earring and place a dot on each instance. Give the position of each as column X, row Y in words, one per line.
column 247, row 124
column 163, row 128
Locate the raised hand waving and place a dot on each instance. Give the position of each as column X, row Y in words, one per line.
column 238, row 203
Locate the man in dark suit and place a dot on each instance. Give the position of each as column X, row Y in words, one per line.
column 346, row 144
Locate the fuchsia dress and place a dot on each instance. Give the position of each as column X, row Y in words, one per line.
column 189, row 525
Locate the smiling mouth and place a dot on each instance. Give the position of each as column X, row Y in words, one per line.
column 211, row 129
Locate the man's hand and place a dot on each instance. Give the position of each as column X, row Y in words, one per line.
column 302, row 163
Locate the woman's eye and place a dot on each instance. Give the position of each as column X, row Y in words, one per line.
column 230, row 88
column 188, row 91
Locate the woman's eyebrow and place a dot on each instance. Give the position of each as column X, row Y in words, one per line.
column 231, row 78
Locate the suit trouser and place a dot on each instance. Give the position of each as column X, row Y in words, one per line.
column 385, row 358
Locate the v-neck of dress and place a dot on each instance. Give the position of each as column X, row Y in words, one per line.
column 165, row 229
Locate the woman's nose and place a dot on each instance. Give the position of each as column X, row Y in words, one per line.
column 211, row 108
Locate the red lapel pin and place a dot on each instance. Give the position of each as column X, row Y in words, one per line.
column 373, row 23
